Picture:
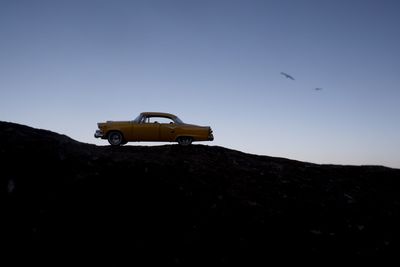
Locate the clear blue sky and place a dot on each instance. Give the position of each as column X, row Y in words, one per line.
column 66, row 65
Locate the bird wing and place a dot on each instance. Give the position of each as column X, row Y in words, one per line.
column 287, row 75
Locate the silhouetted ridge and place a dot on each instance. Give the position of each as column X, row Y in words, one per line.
column 187, row 205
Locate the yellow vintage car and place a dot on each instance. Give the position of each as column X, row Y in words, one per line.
column 153, row 126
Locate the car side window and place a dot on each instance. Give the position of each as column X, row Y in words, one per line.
column 161, row 120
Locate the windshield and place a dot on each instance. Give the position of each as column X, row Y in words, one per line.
column 137, row 118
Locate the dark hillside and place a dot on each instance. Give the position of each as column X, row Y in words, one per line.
column 183, row 205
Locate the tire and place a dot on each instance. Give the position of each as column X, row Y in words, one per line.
column 185, row 140
column 115, row 138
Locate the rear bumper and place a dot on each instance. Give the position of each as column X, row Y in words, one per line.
column 98, row 134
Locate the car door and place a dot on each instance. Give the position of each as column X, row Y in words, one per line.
column 168, row 132
column 147, row 131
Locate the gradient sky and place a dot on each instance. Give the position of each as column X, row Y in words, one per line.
column 66, row 65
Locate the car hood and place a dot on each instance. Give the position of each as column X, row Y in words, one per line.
column 112, row 122
column 118, row 121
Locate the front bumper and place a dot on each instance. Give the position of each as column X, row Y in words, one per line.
column 98, row 134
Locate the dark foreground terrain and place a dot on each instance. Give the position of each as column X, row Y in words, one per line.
column 74, row 202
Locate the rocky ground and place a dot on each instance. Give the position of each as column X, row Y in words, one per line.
column 187, row 205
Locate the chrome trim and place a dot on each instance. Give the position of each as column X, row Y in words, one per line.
column 98, row 134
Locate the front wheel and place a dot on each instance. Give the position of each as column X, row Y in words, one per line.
column 115, row 139
column 185, row 141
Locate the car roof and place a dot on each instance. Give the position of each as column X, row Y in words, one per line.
column 159, row 114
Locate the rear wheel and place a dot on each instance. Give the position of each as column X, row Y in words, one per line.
column 115, row 139
column 185, row 140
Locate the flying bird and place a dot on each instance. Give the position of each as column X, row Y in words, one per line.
column 318, row 89
column 287, row 76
